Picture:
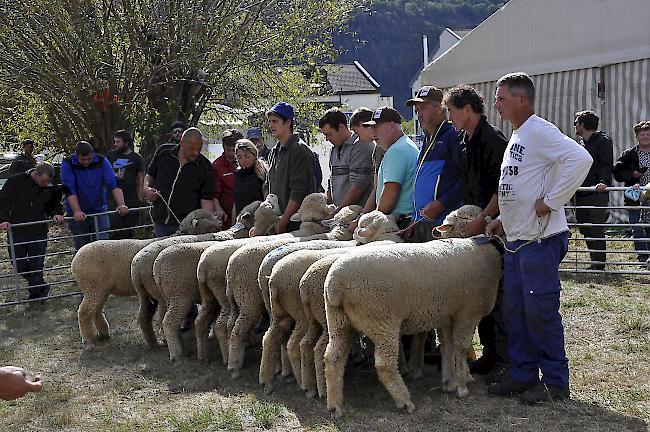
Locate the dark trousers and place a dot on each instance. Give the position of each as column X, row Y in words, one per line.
column 122, row 226
column 641, row 246
column 86, row 232
column 596, row 216
column 30, row 260
column 164, row 230
column 493, row 334
column 531, row 303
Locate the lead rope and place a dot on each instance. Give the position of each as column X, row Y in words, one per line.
column 538, row 239
column 168, row 208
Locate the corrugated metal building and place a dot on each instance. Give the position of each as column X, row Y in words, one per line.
column 581, row 54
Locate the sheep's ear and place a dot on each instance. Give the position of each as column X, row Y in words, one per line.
column 443, row 228
column 295, row 217
column 362, row 232
column 245, row 215
column 194, row 222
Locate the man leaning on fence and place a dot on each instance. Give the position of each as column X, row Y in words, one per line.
column 30, row 197
column 601, row 149
column 86, row 176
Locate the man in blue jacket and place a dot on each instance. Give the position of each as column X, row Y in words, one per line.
column 437, row 175
column 86, row 176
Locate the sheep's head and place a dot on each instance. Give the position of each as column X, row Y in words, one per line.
column 246, row 217
column 199, row 221
column 344, row 216
column 372, row 225
column 266, row 215
column 314, row 208
column 456, row 221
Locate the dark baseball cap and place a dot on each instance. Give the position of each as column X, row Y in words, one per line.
column 426, row 94
column 383, row 114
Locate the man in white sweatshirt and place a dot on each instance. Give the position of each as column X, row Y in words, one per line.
column 541, row 169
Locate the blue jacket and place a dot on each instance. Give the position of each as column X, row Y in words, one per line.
column 89, row 184
column 437, row 174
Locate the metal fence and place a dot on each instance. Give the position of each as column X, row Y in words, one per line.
column 57, row 258
column 620, row 252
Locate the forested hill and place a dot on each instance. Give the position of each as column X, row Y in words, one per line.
column 388, row 41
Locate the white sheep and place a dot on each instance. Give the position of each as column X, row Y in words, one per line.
column 211, row 271
column 102, row 268
column 243, row 290
column 142, row 277
column 369, row 291
column 279, row 278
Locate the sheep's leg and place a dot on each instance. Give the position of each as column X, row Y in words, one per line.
column 336, row 356
column 403, row 364
column 293, row 349
column 221, row 331
column 285, row 364
column 307, row 369
column 201, row 326
column 271, row 351
column 162, row 311
column 449, row 384
column 319, row 362
column 236, row 348
column 416, row 362
column 386, row 363
column 177, row 310
column 462, row 332
column 86, row 314
column 101, row 324
column 146, row 312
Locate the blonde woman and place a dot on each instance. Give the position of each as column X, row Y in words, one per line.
column 250, row 177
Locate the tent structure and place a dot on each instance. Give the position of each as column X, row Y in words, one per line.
column 581, row 54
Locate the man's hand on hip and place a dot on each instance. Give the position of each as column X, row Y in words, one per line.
column 541, row 208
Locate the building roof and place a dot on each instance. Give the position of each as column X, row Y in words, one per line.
column 540, row 37
column 350, row 78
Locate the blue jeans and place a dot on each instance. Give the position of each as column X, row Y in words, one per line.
column 531, row 309
column 85, row 232
column 164, row 230
column 30, row 260
column 641, row 246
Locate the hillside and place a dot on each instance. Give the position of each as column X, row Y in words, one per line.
column 388, row 40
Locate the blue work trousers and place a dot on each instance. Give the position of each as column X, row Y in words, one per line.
column 531, row 309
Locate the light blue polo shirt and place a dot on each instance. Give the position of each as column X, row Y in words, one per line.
column 398, row 166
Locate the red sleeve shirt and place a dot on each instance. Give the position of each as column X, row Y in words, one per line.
column 224, row 185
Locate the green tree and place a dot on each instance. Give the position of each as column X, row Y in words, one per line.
column 102, row 65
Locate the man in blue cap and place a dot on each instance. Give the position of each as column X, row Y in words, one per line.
column 291, row 165
column 255, row 135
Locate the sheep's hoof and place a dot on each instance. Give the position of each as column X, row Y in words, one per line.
column 449, row 386
column 408, row 407
column 88, row 346
column 461, row 392
column 234, row 374
column 287, row 379
column 311, row 394
column 470, row 378
column 99, row 337
column 268, row 388
column 415, row 374
column 336, row 412
column 204, row 360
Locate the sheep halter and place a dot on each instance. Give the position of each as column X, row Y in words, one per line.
column 168, row 208
column 538, row 238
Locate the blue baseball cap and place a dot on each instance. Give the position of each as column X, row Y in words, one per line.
column 254, row 133
column 282, row 109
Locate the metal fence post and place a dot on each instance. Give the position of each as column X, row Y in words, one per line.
column 96, row 228
column 14, row 262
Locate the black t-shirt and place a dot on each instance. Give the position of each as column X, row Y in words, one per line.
column 126, row 167
column 248, row 188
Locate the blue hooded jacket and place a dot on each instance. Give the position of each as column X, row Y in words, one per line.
column 89, row 184
column 437, row 173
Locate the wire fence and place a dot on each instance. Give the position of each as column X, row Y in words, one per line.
column 626, row 248
column 24, row 269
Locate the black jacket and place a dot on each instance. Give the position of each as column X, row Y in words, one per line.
column 22, row 200
column 21, row 164
column 183, row 187
column 601, row 149
column 481, row 159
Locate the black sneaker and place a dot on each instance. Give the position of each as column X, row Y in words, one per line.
column 510, row 387
column 543, row 393
column 482, row 366
column 498, row 374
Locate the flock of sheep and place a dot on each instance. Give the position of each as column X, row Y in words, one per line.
column 320, row 285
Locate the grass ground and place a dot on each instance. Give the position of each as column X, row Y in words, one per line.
column 122, row 385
